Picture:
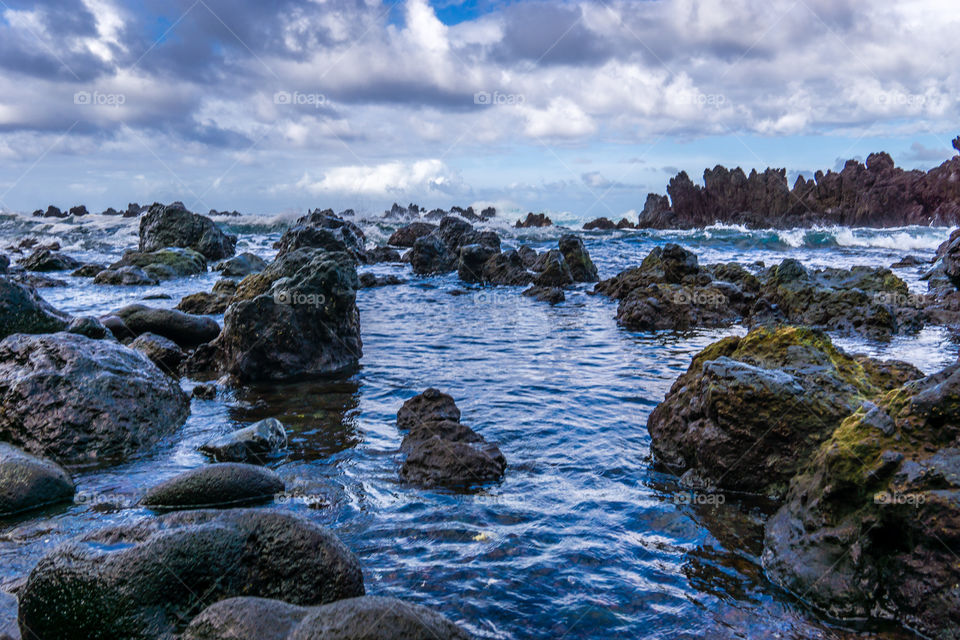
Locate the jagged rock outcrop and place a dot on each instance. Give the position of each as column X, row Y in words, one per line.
column 173, row 226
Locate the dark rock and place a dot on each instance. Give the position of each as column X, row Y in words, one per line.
column 142, row 580
column 534, row 220
column 52, row 212
column 110, row 211
column 88, row 270
column 297, row 318
column 430, row 406
column 553, row 295
column 204, row 391
column 908, row 261
column 406, row 236
column 46, row 260
column 626, row 224
column 83, row 400
column 254, row 443
column 382, row 254
column 133, row 210
column 749, row 412
column 323, row 230
column 4, row 263
column 430, row 255
column 28, row 482
column 22, row 310
column 90, row 327
column 183, row 328
column 370, row 280
column 507, row 268
column 174, row 226
column 603, row 224
column 473, row 257
column 203, row 303
column 162, row 351
column 35, row 281
column 80, row 210
column 577, row 259
column 225, row 287
column 129, row 276
column 220, row 485
column 552, row 270
column 870, row 523
column 363, row 618
column 528, row 255
column 163, row 264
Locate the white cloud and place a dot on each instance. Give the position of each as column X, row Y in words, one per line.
column 422, row 176
column 561, row 119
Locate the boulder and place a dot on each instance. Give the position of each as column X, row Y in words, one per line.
column 46, row 260
column 251, row 444
column 750, row 411
column 174, row 226
column 552, row 295
column 90, row 327
column 534, row 220
column 129, row 276
column 205, row 391
column 577, row 259
column 166, row 263
column 81, row 400
column 297, row 318
column 383, row 254
column 204, row 303
column 507, row 268
column 163, row 352
column 603, row 224
column 183, row 328
column 404, row 237
column 430, row 406
column 142, row 580
column 323, row 230
column 363, row 618
column 552, row 270
column 370, row 280
column 88, row 270
column 28, row 482
column 220, row 485
column 871, row 521
column 473, row 257
column 79, row 210
column 22, row 310
column 430, row 255
column 241, row 265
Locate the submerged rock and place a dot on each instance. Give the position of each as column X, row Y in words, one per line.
column 749, row 412
column 204, row 303
column 603, row 224
column 363, row 618
column 552, row 295
column 28, row 482
column 46, row 260
column 22, row 310
column 370, row 280
column 871, row 521
column 81, row 400
column 183, row 328
column 142, row 580
column 297, row 318
column 164, row 264
column 129, row 276
column 225, row 484
column 254, row 443
column 441, row 452
column 174, row 226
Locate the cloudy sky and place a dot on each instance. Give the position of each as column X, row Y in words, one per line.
column 562, row 106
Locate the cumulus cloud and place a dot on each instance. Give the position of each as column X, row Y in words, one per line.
column 388, row 179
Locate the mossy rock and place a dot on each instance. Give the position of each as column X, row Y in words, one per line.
column 164, row 264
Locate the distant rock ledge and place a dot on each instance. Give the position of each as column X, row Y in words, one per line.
column 875, row 194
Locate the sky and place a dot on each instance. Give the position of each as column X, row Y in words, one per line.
column 580, row 107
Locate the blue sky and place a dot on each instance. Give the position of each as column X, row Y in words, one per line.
column 582, row 106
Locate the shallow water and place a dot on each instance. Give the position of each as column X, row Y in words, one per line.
column 584, row 538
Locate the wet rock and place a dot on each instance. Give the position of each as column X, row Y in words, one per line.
column 473, row 257
column 174, row 226
column 552, row 270
column 35, row 281
column 528, row 255
column 206, row 391
column 90, row 327
column 626, row 224
column 603, row 224
column 142, row 580
column 908, row 261
column 507, row 268
column 89, row 270
column 28, row 482
column 82, row 400
column 22, row 310
column 297, row 318
column 220, row 485
column 323, row 230
column 183, row 328
column 4, row 263
column 441, row 452
column 225, row 286
column 405, row 236
column 164, row 264
column 363, row 618
column 534, row 220
column 870, row 522
column 47, row 260
column 129, row 276
column 430, row 255
column 577, row 259
column 79, row 210
column 163, row 352
column 204, row 303
column 370, row 280
column 749, row 412
column 552, row 295
column 254, row 443
column 382, row 254
column 9, row 630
